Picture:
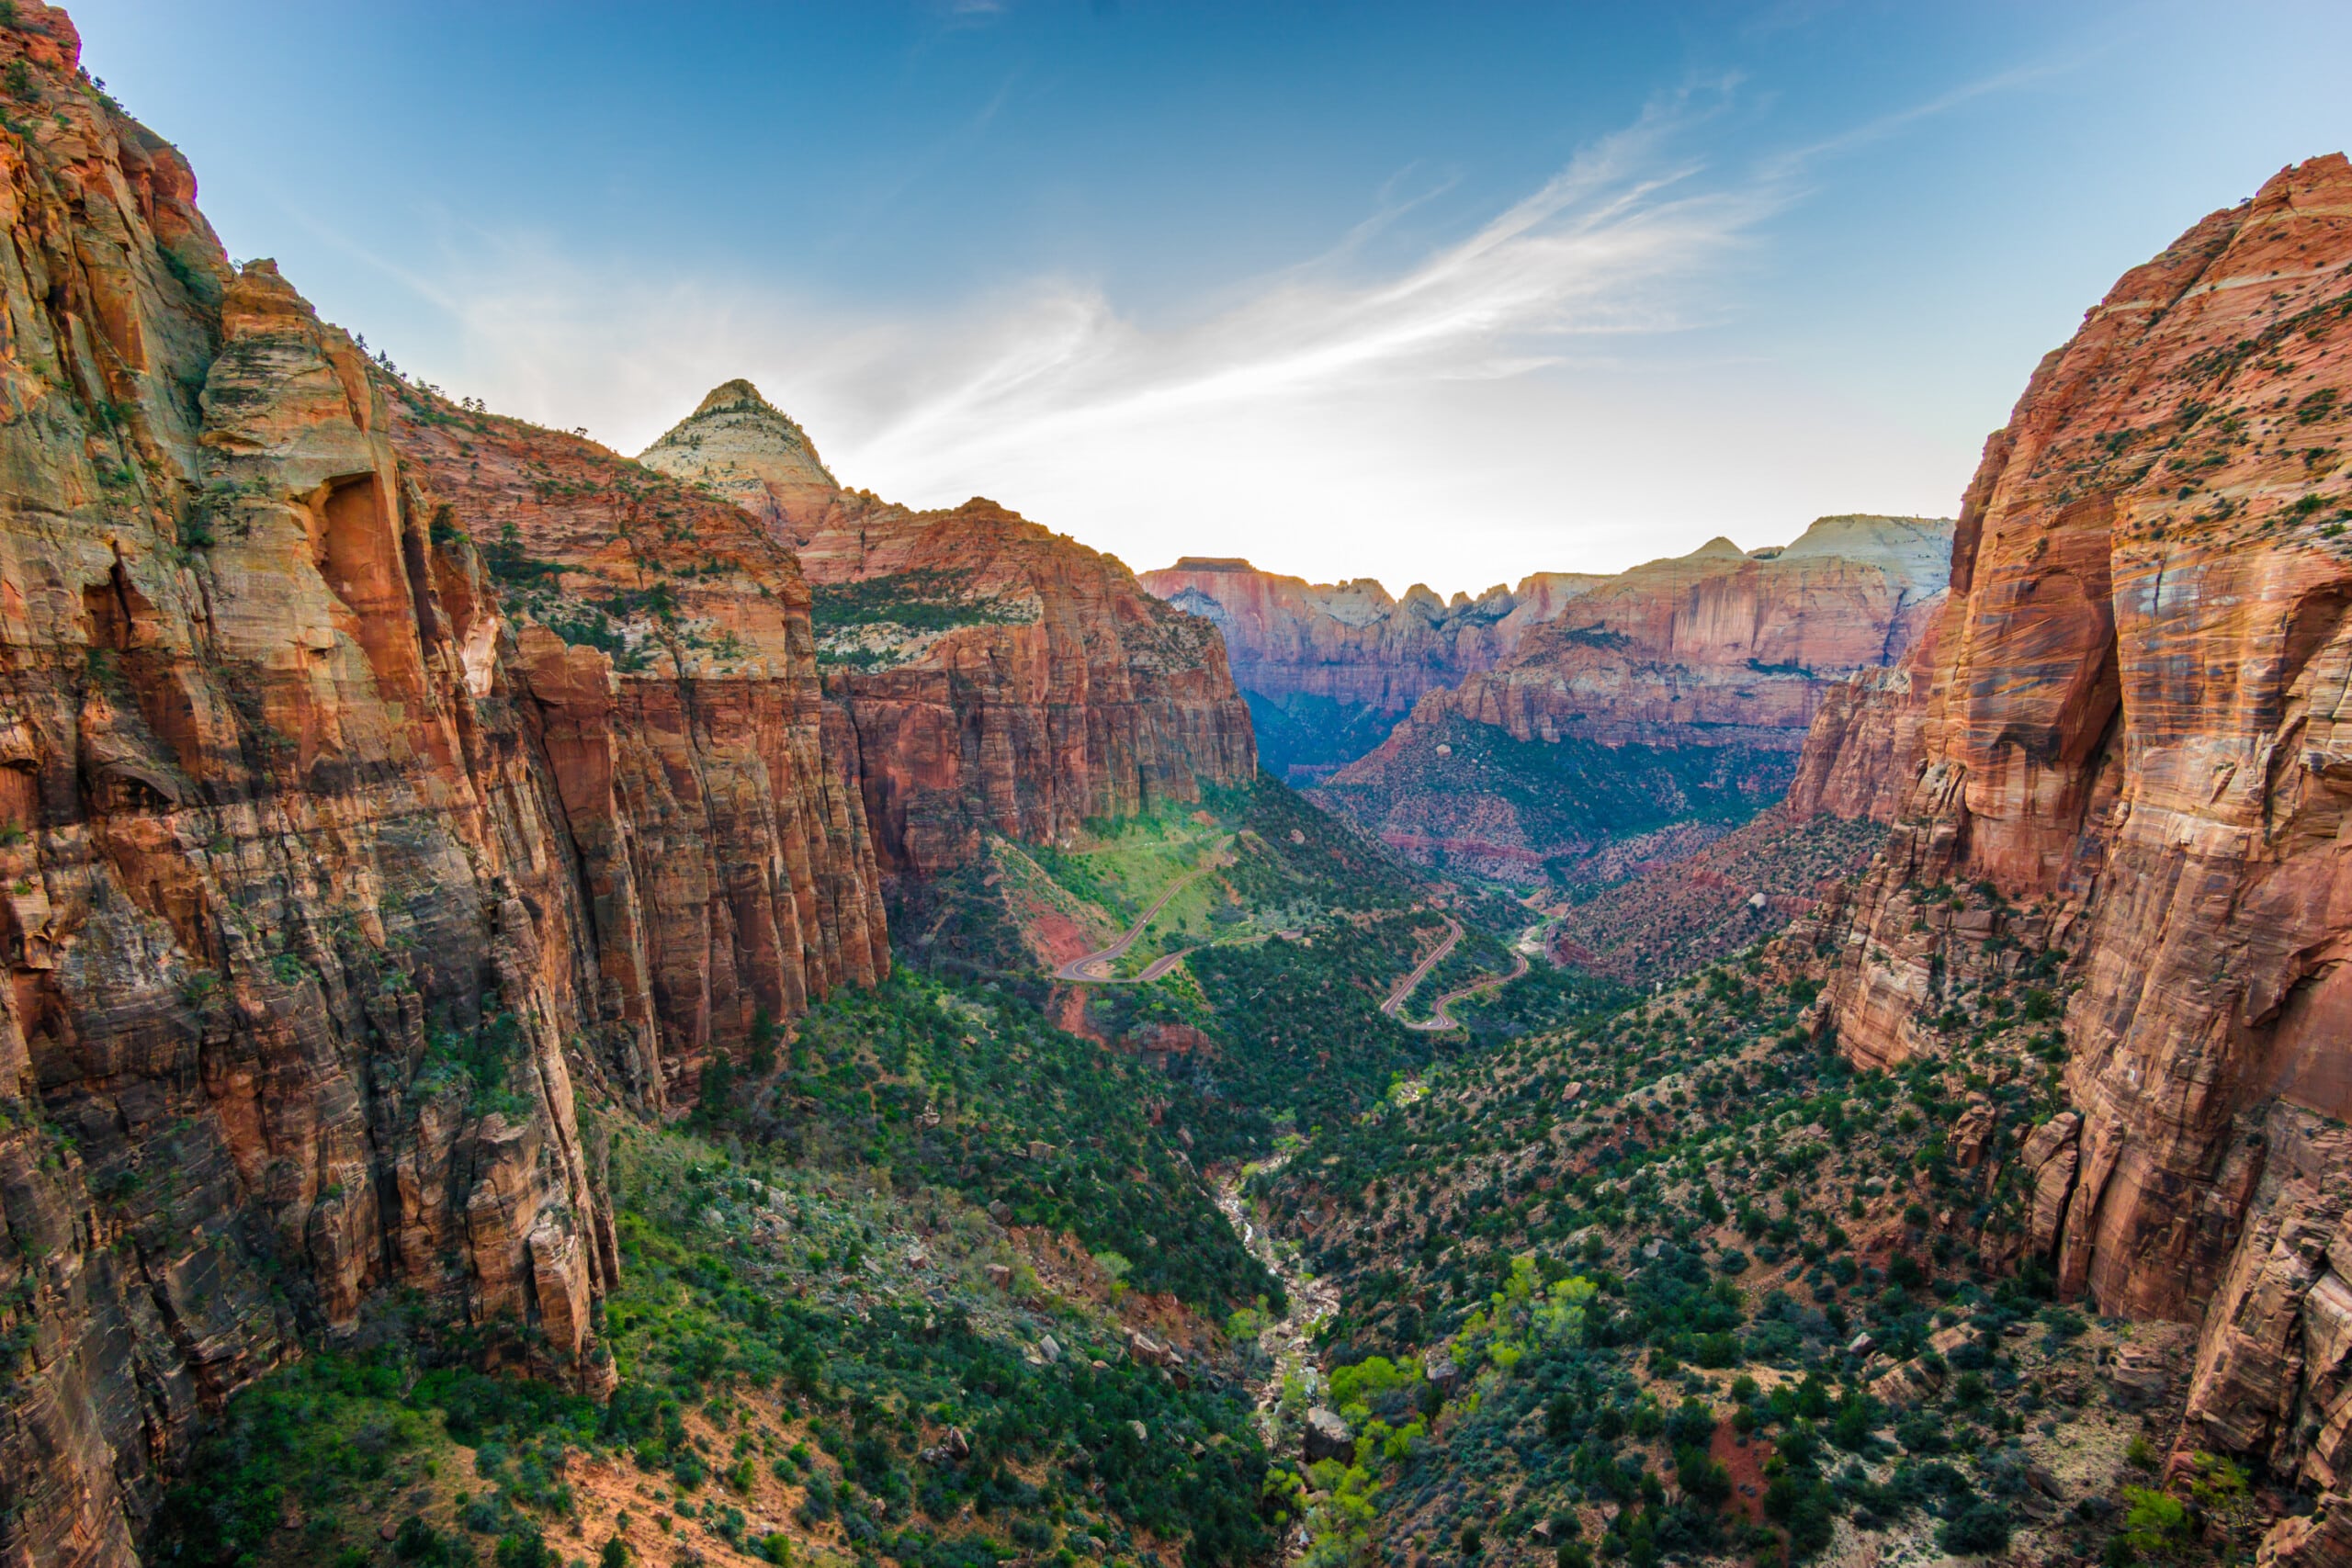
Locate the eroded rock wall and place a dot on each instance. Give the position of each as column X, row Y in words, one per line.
column 1672, row 701
column 327, row 896
column 1718, row 645
column 2132, row 734
column 1351, row 641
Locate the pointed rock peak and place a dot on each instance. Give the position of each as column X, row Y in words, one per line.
column 739, row 444
column 736, row 394
column 1719, row 545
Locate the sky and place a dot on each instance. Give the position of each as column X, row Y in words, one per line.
column 1439, row 293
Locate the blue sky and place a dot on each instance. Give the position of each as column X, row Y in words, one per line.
column 1443, row 293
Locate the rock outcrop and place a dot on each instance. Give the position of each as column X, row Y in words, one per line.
column 1701, row 674
column 334, row 876
column 1000, row 677
column 710, row 797
column 1861, row 753
column 2133, row 732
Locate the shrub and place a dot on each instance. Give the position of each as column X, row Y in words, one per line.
column 1978, row 1528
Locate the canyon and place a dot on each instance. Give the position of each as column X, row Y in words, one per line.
column 449, row 873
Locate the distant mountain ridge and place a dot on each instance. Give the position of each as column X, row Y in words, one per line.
column 1710, row 666
column 1328, row 667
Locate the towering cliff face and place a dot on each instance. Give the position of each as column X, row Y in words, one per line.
column 330, row 885
column 2133, row 731
column 1692, row 681
column 1000, row 677
column 709, row 793
column 1331, row 666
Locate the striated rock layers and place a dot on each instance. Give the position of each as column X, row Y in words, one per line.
column 1000, row 677
column 2133, row 729
column 1701, row 674
column 1331, row 666
column 333, row 876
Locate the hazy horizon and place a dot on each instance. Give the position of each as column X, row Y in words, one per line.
column 1351, row 292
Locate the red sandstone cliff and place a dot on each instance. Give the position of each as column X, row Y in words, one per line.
column 1719, row 653
column 328, row 882
column 1001, row 677
column 2132, row 731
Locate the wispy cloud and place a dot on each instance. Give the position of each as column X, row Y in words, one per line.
column 1611, row 243
column 1288, row 393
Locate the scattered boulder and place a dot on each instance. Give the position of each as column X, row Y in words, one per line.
column 1327, row 1437
column 1000, row 1211
column 999, row 1276
column 1050, row 1348
column 1907, row 1383
column 1971, row 1131
column 2138, row 1376
column 1437, row 1367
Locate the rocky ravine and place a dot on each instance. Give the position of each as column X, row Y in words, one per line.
column 1002, row 678
column 1695, row 678
column 2132, row 731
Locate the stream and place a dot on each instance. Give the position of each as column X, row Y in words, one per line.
column 1286, row 1340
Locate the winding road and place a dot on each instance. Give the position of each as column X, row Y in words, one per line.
column 1404, row 987
column 1094, row 968
column 1439, row 1018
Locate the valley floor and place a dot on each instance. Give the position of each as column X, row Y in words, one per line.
column 1229, row 1262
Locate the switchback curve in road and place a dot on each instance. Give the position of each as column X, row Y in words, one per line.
column 1404, row 987
column 1440, row 1018
column 1094, row 968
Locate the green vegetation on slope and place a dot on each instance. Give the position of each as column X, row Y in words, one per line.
column 1508, row 808
column 1803, row 1305
column 961, row 1088
column 795, row 1348
column 1303, row 737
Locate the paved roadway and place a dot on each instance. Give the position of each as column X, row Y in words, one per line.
column 1095, row 970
